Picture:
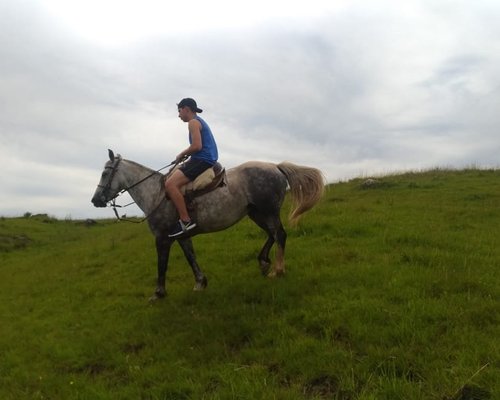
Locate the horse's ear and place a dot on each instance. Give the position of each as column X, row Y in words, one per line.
column 111, row 155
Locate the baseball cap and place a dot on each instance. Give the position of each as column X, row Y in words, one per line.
column 188, row 102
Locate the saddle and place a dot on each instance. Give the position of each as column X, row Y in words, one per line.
column 207, row 181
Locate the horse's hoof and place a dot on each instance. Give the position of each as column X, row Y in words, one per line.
column 265, row 268
column 156, row 296
column 201, row 285
column 276, row 274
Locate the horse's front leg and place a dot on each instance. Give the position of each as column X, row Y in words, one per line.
column 200, row 278
column 163, row 245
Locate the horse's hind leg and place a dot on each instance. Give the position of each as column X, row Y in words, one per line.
column 274, row 229
column 200, row 279
column 279, row 268
column 263, row 258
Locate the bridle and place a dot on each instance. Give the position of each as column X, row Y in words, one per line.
column 112, row 201
column 107, row 187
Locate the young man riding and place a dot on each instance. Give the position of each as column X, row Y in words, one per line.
column 203, row 154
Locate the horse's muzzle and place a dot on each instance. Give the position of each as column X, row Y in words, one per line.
column 97, row 201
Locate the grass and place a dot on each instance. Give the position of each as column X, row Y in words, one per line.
column 391, row 292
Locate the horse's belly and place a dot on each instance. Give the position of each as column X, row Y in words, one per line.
column 219, row 211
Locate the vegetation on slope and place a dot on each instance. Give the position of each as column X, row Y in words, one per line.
column 392, row 292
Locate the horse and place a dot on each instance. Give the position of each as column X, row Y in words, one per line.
column 255, row 188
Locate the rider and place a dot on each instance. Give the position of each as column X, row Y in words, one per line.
column 203, row 154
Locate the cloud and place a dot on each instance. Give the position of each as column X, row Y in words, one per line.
column 360, row 89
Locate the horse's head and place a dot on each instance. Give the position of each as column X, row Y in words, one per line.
column 108, row 187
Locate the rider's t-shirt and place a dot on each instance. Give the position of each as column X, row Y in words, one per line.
column 208, row 152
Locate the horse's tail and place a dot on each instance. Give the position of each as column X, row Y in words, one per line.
column 307, row 186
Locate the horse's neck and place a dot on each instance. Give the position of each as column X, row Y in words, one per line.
column 146, row 194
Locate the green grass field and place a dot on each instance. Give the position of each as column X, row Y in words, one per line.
column 391, row 292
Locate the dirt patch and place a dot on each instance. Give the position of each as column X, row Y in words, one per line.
column 326, row 387
column 13, row 242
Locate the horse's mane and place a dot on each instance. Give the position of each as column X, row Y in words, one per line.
column 150, row 170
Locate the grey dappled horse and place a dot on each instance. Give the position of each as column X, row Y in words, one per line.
column 256, row 189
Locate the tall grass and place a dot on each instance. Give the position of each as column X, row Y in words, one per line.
column 392, row 292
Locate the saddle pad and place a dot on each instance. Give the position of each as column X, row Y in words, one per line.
column 202, row 181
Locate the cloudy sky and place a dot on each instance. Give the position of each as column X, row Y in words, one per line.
column 355, row 88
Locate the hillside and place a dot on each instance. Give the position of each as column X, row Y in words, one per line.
column 392, row 292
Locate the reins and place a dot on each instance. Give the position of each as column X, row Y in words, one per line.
column 112, row 202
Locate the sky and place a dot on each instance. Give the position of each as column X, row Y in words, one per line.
column 354, row 88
